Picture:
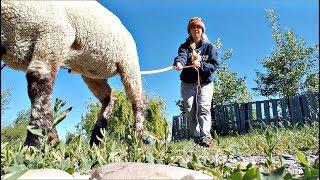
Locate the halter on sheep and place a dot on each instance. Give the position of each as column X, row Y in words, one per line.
column 41, row 37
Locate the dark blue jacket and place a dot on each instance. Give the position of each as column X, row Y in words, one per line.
column 209, row 62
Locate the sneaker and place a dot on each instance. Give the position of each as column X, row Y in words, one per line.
column 206, row 142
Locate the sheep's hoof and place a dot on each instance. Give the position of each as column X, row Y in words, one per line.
column 32, row 140
column 96, row 133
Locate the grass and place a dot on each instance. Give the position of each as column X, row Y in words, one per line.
column 77, row 156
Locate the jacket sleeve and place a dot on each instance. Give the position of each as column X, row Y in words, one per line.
column 182, row 55
column 211, row 65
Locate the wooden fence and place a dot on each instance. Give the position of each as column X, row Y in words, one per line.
column 242, row 118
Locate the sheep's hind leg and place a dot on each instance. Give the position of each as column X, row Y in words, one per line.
column 101, row 89
column 131, row 78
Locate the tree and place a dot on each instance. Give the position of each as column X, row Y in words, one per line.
column 18, row 130
column 5, row 100
column 228, row 88
column 121, row 122
column 291, row 68
column 155, row 121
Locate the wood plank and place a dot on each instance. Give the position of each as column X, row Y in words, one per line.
column 232, row 119
column 314, row 103
column 242, row 118
column 258, row 111
column 223, row 120
column 226, row 119
column 275, row 118
column 184, row 128
column 295, row 110
column 237, row 116
column 266, row 109
column 219, row 127
column 284, row 113
column 173, row 128
column 305, row 108
column 250, row 116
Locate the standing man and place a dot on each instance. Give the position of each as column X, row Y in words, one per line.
column 198, row 60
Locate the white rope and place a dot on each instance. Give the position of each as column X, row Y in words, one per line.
column 157, row 70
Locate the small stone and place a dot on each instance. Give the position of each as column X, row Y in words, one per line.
column 288, row 156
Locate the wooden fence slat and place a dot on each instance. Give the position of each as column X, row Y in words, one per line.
column 284, row 113
column 314, row 103
column 258, row 109
column 173, row 126
column 223, row 120
column 305, row 108
column 242, row 118
column 184, row 126
column 232, row 119
column 250, row 117
column 266, row 109
column 237, row 116
column 275, row 118
column 181, row 134
column 295, row 110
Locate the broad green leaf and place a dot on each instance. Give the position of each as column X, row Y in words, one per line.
column 252, row 173
column 316, row 164
column 16, row 171
column 17, row 174
column 238, row 175
column 35, row 130
column 302, row 158
column 314, row 172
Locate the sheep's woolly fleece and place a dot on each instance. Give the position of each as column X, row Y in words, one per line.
column 39, row 37
column 83, row 35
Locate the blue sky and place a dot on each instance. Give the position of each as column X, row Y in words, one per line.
column 159, row 27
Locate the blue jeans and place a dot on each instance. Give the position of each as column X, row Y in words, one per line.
column 200, row 129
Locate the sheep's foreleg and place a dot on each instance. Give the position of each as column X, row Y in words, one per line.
column 40, row 78
column 101, row 89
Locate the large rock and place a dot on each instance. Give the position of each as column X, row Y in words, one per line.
column 131, row 170
column 44, row 174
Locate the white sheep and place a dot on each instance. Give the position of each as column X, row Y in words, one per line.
column 39, row 37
